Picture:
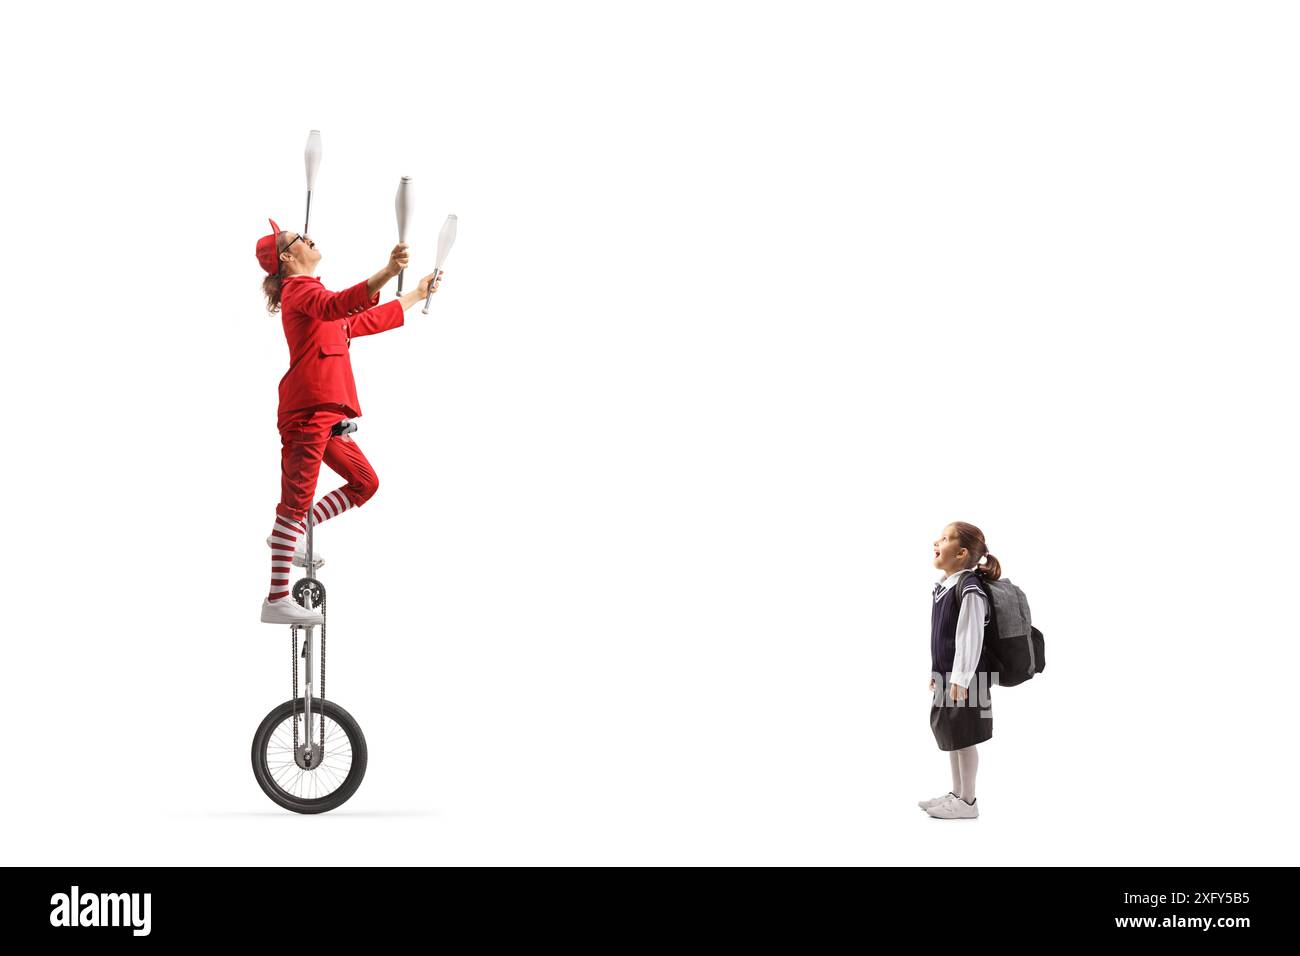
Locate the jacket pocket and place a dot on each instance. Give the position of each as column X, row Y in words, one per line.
column 333, row 348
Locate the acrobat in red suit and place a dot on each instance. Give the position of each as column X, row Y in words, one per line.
column 317, row 392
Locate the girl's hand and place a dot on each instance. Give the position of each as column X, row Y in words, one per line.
column 398, row 258
column 423, row 287
column 956, row 692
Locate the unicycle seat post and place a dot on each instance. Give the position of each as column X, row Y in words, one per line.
column 311, row 570
column 307, row 649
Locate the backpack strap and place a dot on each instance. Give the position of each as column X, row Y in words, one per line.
column 987, row 600
column 986, row 648
column 957, row 584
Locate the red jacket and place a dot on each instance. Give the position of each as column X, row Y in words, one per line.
column 319, row 325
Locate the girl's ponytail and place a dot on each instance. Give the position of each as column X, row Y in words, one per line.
column 972, row 539
column 992, row 568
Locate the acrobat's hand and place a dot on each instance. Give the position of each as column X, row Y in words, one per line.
column 398, row 258
column 423, row 287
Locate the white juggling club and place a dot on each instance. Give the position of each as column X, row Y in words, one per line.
column 312, row 157
column 405, row 200
column 445, row 238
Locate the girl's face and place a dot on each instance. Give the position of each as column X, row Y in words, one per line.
column 949, row 555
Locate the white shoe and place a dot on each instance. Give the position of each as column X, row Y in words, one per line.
column 300, row 552
column 286, row 610
column 955, row 808
column 927, row 804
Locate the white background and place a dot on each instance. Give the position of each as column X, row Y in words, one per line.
column 748, row 301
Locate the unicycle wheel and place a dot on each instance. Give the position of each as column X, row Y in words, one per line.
column 305, row 780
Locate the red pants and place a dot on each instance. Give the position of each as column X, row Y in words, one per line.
column 305, row 441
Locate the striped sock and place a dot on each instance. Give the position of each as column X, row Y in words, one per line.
column 286, row 533
column 331, row 506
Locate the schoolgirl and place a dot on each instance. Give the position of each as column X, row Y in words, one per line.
column 961, row 711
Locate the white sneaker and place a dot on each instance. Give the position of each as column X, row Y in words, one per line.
column 300, row 553
column 286, row 610
column 955, row 808
column 927, row 804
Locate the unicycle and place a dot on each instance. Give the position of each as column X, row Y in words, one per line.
column 309, row 754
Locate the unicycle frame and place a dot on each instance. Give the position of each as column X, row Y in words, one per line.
column 342, row 427
column 308, row 644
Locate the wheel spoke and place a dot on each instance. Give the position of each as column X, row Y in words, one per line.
column 335, row 780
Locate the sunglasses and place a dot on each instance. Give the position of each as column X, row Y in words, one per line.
column 307, row 239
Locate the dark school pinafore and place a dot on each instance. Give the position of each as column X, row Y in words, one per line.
column 957, row 723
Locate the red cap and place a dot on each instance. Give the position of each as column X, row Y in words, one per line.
column 268, row 256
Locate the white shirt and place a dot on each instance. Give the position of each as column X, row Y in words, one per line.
column 972, row 617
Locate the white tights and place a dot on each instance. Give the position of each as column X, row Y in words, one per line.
column 965, row 763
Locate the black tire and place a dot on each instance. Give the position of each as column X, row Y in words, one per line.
column 271, row 771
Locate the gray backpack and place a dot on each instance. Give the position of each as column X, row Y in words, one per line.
column 1013, row 647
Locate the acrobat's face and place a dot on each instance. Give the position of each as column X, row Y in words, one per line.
column 949, row 555
column 298, row 253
